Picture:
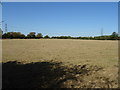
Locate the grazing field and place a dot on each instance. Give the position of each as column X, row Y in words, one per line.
column 103, row 53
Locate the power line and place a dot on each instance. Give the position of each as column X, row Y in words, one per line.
column 5, row 28
column 101, row 31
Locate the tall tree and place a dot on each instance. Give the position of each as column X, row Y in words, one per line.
column 46, row 36
column 12, row 35
column 114, row 36
column 39, row 35
column 31, row 35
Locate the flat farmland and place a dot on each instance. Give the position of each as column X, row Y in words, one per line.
column 102, row 53
column 71, row 51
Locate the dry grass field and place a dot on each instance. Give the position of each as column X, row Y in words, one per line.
column 103, row 53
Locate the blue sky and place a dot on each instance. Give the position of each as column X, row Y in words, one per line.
column 62, row 18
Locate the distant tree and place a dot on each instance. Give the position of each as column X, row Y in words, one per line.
column 31, row 35
column 13, row 35
column 4, row 36
column 19, row 35
column 46, row 36
column 22, row 36
column 54, row 37
column 8, row 35
column 39, row 35
column 16, row 34
column 114, row 36
column 64, row 37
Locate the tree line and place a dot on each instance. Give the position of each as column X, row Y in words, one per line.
column 33, row 35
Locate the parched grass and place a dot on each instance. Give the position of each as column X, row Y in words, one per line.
column 102, row 53
column 72, row 51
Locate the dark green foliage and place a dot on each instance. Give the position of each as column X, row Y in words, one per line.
column 46, row 36
column 39, row 35
column 114, row 36
column 102, row 38
column 32, row 35
column 62, row 37
column 12, row 35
